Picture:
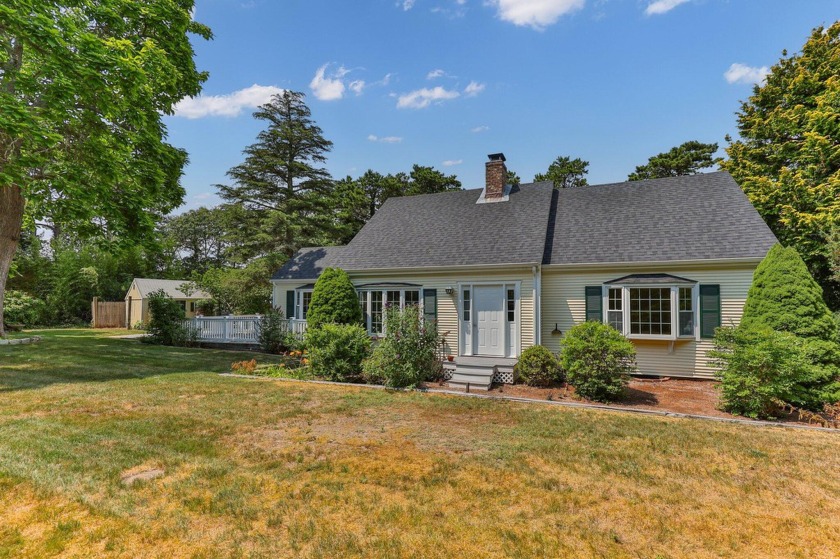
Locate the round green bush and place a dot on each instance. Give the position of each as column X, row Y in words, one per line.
column 598, row 361
column 537, row 366
column 336, row 351
column 334, row 300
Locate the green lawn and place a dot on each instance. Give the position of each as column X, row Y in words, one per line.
column 279, row 469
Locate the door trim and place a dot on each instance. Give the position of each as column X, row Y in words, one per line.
column 512, row 344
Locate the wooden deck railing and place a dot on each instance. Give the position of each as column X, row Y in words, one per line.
column 236, row 329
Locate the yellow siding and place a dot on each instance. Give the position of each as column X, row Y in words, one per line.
column 447, row 304
column 563, row 303
column 135, row 306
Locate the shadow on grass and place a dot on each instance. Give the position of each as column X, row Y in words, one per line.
column 73, row 356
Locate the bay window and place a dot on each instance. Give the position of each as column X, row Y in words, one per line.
column 654, row 306
column 302, row 299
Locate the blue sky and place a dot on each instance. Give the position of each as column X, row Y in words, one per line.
column 445, row 82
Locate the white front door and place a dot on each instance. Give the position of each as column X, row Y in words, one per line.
column 489, row 320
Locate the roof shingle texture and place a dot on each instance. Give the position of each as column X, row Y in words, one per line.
column 697, row 217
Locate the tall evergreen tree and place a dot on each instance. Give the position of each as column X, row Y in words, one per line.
column 565, row 172
column 356, row 200
column 786, row 158
column 685, row 159
column 282, row 182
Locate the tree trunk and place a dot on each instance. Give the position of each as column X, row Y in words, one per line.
column 11, row 220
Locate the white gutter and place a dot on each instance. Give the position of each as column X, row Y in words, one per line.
column 657, row 263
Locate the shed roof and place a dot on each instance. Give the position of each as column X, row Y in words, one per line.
column 172, row 288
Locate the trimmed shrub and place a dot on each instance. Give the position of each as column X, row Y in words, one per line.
column 22, row 308
column 537, row 366
column 760, row 369
column 598, row 361
column 336, row 351
column 785, row 297
column 334, row 300
column 165, row 316
column 407, row 355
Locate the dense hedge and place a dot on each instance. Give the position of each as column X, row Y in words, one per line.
column 336, row 351
column 334, row 300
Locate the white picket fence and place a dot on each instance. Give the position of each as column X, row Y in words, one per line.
column 236, row 329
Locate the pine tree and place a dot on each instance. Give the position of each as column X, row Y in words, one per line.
column 565, row 172
column 687, row 158
column 787, row 160
column 282, row 182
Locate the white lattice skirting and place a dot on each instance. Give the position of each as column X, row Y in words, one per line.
column 503, row 377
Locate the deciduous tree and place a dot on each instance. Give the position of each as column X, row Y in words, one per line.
column 83, row 89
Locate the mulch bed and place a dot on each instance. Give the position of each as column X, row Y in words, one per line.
column 688, row 396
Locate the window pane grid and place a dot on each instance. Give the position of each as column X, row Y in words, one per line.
column 466, row 305
column 511, row 305
column 650, row 311
column 376, row 312
column 686, row 312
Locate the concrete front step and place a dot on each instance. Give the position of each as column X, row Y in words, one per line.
column 479, row 377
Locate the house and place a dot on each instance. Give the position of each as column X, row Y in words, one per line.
column 137, row 298
column 505, row 267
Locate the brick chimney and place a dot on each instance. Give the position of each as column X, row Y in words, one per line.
column 496, row 176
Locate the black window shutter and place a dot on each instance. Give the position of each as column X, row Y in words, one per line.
column 709, row 310
column 594, row 302
column 430, row 304
column 290, row 304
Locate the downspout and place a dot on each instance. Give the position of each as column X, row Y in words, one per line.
column 537, row 271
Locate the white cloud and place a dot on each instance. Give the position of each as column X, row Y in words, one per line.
column 357, row 86
column 406, row 4
column 434, row 74
column 537, row 14
column 452, row 162
column 328, row 88
column 741, row 73
column 479, row 129
column 422, row 98
column 662, row 6
column 229, row 105
column 385, row 139
column 473, row 89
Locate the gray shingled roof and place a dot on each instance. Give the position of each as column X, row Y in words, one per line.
column 695, row 217
column 698, row 217
column 308, row 263
column 450, row 229
column 171, row 287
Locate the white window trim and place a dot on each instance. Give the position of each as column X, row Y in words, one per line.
column 465, row 328
column 675, row 312
column 384, row 292
column 299, row 302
